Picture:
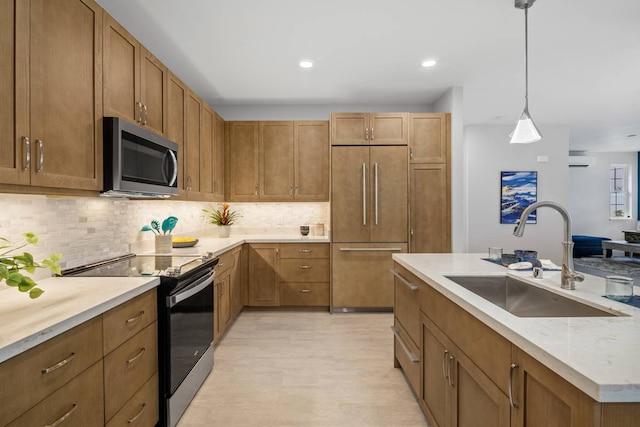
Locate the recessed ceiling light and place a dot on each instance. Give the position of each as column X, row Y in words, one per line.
column 306, row 64
column 429, row 63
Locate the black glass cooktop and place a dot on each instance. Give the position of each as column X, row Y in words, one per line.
column 139, row 265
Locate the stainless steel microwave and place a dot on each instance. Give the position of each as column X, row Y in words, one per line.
column 138, row 163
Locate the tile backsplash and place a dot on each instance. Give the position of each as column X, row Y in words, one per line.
column 90, row 229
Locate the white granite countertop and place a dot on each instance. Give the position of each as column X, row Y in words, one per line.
column 598, row 355
column 70, row 301
column 65, row 303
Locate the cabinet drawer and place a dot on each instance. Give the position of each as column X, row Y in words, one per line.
column 79, row 402
column 126, row 320
column 489, row 351
column 405, row 305
column 304, row 270
column 65, row 356
column 304, row 294
column 407, row 354
column 225, row 262
column 304, row 250
column 128, row 367
column 141, row 409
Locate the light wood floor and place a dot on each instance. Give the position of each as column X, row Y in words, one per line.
column 305, row 369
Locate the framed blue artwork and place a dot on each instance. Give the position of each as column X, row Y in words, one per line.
column 517, row 191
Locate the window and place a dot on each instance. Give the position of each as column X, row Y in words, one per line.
column 619, row 192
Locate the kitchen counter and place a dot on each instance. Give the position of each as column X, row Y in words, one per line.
column 66, row 303
column 220, row 245
column 598, row 355
column 70, row 301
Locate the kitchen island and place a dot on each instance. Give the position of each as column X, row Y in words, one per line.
column 593, row 357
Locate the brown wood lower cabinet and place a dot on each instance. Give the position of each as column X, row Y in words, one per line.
column 228, row 291
column 472, row 376
column 103, row 370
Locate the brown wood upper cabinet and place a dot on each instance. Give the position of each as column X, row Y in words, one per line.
column 429, row 135
column 278, row 161
column 369, row 129
column 51, row 93
column 135, row 82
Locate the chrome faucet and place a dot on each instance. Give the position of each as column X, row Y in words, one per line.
column 568, row 276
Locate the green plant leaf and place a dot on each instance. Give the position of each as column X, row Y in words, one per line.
column 14, row 279
column 35, row 293
column 26, row 284
column 4, row 272
column 31, row 237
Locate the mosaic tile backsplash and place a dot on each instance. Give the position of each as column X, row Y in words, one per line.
column 90, row 229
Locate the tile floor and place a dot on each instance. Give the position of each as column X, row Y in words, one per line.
column 305, row 369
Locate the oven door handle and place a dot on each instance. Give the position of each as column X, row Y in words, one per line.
column 193, row 289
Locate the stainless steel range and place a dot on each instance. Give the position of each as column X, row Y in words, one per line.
column 185, row 320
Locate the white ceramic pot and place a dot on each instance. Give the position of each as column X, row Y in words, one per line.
column 224, row 230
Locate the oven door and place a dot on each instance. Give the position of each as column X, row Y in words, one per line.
column 190, row 324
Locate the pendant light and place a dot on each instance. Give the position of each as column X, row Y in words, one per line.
column 526, row 130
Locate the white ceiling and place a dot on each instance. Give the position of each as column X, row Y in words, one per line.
column 584, row 56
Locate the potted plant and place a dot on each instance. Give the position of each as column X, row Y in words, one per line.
column 163, row 235
column 12, row 265
column 223, row 218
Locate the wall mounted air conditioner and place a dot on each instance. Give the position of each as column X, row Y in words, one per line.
column 581, row 161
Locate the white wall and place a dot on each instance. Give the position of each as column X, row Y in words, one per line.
column 451, row 102
column 307, row 112
column 487, row 153
column 589, row 196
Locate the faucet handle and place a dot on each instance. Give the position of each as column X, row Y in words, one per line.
column 578, row 277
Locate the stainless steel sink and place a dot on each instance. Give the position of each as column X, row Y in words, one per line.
column 524, row 300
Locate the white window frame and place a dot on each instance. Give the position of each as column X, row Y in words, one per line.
column 620, row 200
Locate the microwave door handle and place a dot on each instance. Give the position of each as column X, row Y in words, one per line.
column 191, row 290
column 174, row 176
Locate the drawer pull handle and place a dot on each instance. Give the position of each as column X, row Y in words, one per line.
column 369, row 249
column 511, row 371
column 305, row 291
column 305, row 251
column 60, row 364
column 451, row 381
column 133, row 319
column 64, row 417
column 134, row 419
column 405, row 281
column 410, row 355
column 444, row 364
column 304, row 267
column 137, row 356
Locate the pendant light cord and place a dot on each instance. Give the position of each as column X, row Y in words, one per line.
column 526, row 57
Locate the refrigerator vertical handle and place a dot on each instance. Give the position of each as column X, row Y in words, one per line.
column 364, row 194
column 375, row 169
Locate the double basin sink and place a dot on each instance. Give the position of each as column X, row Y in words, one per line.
column 524, row 300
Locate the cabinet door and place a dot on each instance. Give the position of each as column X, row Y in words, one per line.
column 121, row 72
column 350, row 129
column 311, row 160
column 65, row 93
column 153, row 88
column 478, row 402
column 388, row 200
column 223, row 295
column 388, row 129
column 546, row 399
column 429, row 137
column 276, row 161
column 177, row 98
column 218, row 158
column 236, row 302
column 361, row 274
column 264, row 281
column 242, row 164
column 350, row 194
column 13, row 145
column 206, row 153
column 435, row 396
column 430, row 212
column 193, row 129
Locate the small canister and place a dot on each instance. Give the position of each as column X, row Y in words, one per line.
column 619, row 288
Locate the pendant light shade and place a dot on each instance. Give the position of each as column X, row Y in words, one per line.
column 526, row 130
